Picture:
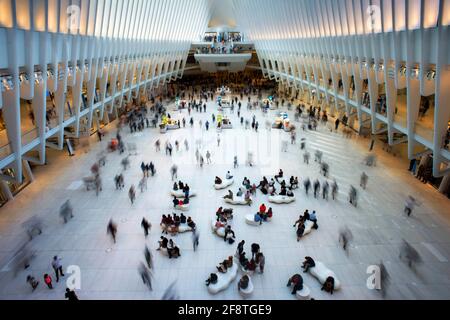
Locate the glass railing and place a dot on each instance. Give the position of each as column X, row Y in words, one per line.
column 29, row 136
column 5, row 151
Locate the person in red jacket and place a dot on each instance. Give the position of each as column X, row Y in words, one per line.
column 48, row 281
column 262, row 209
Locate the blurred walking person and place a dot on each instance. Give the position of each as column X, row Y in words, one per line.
column 345, row 236
column 334, row 190
column 112, row 229
column 195, row 239
column 363, row 180
column 132, row 194
column 353, row 196
column 409, row 255
column 410, row 203
column 146, row 226
column 173, row 171
column 307, row 185
column 145, row 275
column 148, row 257
column 66, row 211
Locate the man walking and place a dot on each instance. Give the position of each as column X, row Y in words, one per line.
column 57, row 266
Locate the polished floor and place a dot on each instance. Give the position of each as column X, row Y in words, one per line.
column 110, row 271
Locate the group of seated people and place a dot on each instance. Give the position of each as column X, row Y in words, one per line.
column 239, row 194
column 176, row 202
column 218, row 180
column 263, row 214
column 225, row 265
column 249, row 186
column 224, row 214
column 172, row 250
column 300, row 223
column 229, row 233
column 222, row 268
column 267, row 187
column 171, row 224
column 182, row 186
column 328, row 285
column 253, row 263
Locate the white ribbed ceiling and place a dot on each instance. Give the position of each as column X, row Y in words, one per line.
column 259, row 19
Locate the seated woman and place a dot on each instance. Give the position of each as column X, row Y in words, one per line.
column 243, row 283
column 223, row 267
column 186, row 188
column 212, row 279
column 300, row 230
column 283, row 184
column 313, row 218
column 308, row 263
column 229, row 235
column 174, row 252
column 297, row 281
column 182, row 218
column 279, row 175
column 268, row 215
column 229, row 176
column 247, row 197
column 253, row 189
column 219, row 213
column 219, row 224
column 242, row 259
column 259, row 217
column 283, row 191
column 218, row 180
column 163, row 243
column 176, row 220
column 291, row 180
column 251, row 265
column 190, row 223
column 180, row 185
column 294, row 184
column 186, row 200
column 262, row 209
column 175, row 201
column 229, row 195
column 239, row 193
column 328, row 285
column 175, row 186
column 228, row 213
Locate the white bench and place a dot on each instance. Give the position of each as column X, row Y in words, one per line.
column 281, row 199
column 308, row 227
column 249, row 290
column 182, row 228
column 304, row 294
column 220, row 231
column 184, row 207
column 224, row 279
column 321, row 273
column 238, row 201
column 180, row 193
column 250, row 219
column 225, row 183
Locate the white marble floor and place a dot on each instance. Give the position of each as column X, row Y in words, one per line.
column 378, row 224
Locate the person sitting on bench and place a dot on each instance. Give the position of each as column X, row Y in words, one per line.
column 328, row 285
column 229, row 195
column 307, row 264
column 297, row 281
